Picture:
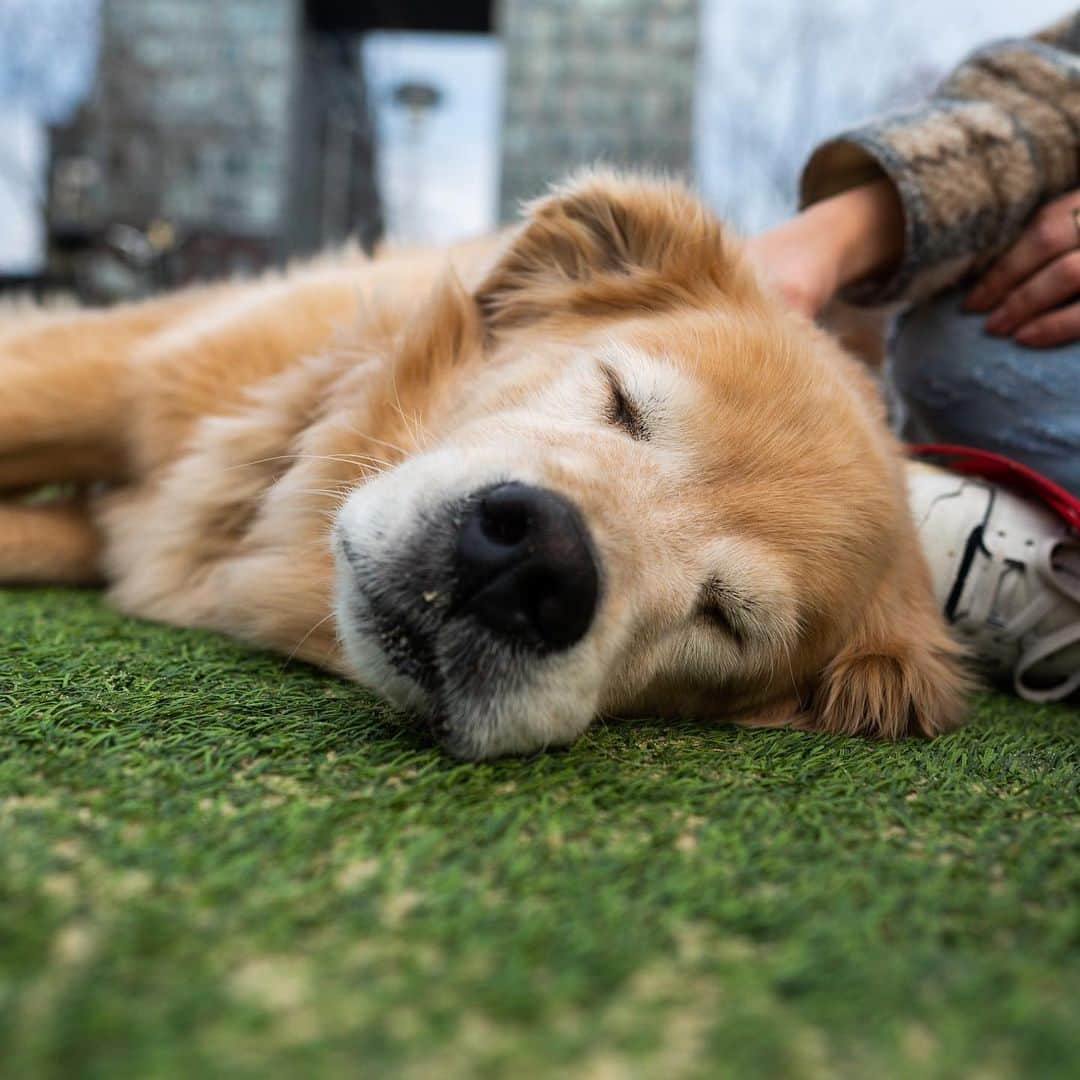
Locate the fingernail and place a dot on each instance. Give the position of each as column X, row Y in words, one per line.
column 1028, row 336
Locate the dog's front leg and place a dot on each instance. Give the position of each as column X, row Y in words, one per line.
column 55, row 544
column 29, row 468
column 66, row 393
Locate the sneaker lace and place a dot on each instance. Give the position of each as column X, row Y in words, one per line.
column 1050, row 562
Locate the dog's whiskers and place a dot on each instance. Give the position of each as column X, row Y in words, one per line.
column 794, row 683
column 300, row 644
column 330, row 493
column 413, row 427
column 345, row 459
column 381, row 462
column 396, row 447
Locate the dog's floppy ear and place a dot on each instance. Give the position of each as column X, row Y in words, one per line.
column 604, row 243
column 899, row 674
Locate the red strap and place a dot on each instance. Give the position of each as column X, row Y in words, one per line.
column 1008, row 473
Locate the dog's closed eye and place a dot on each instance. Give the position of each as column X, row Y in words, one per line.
column 725, row 609
column 623, row 411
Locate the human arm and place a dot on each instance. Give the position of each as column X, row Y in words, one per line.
column 1000, row 138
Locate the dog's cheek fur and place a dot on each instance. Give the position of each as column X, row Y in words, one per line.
column 889, row 670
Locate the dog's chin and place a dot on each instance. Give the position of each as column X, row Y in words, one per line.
column 476, row 699
column 478, row 695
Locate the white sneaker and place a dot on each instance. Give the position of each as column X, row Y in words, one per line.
column 1006, row 573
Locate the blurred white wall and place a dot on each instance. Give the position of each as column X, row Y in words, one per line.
column 778, row 76
column 23, row 155
column 48, row 51
column 438, row 167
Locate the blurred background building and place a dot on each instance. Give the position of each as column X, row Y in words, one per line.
column 595, row 81
column 179, row 162
column 145, row 143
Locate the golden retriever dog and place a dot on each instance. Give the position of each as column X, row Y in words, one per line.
column 588, row 467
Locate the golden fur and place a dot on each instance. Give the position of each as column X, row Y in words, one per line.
column 239, row 430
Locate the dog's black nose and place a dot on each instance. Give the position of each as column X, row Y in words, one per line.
column 525, row 566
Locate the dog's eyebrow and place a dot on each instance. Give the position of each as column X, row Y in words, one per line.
column 622, row 410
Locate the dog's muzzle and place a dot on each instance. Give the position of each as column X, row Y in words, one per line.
column 525, row 569
column 467, row 604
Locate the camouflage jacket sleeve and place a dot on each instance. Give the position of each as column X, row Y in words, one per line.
column 1000, row 137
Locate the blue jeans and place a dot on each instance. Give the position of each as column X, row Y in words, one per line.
column 955, row 384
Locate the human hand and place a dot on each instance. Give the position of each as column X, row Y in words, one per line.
column 1032, row 292
column 831, row 244
column 796, row 264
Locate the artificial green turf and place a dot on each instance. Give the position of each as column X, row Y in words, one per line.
column 211, row 863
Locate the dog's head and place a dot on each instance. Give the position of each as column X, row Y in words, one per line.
column 645, row 488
